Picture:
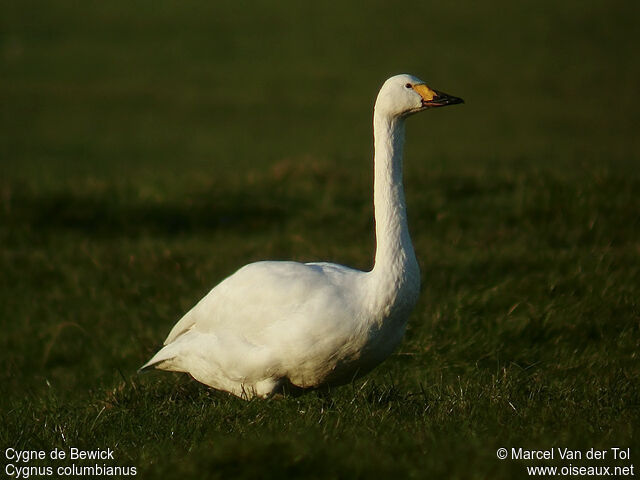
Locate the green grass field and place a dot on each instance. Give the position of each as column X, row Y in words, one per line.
column 149, row 149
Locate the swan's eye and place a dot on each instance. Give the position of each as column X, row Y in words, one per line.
column 408, row 85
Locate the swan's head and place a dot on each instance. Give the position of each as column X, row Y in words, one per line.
column 404, row 95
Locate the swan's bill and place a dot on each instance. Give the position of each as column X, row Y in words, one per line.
column 434, row 98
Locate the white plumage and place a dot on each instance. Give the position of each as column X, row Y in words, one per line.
column 272, row 324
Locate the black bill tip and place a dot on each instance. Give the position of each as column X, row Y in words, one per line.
column 442, row 99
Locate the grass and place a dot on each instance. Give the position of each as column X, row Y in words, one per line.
column 149, row 149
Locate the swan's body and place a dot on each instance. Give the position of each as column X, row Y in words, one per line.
column 308, row 325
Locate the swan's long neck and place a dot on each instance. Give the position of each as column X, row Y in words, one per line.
column 395, row 273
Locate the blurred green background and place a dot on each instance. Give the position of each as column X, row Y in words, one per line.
column 148, row 149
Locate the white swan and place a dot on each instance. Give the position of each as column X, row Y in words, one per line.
column 308, row 325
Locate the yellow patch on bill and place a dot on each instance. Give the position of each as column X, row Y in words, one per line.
column 425, row 92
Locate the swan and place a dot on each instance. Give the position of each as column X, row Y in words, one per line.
column 282, row 324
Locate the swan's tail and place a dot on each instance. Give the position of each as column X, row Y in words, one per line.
column 163, row 360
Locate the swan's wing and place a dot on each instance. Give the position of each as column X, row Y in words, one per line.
column 261, row 295
column 271, row 320
column 266, row 320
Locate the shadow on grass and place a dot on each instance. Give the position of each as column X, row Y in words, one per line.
column 109, row 216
